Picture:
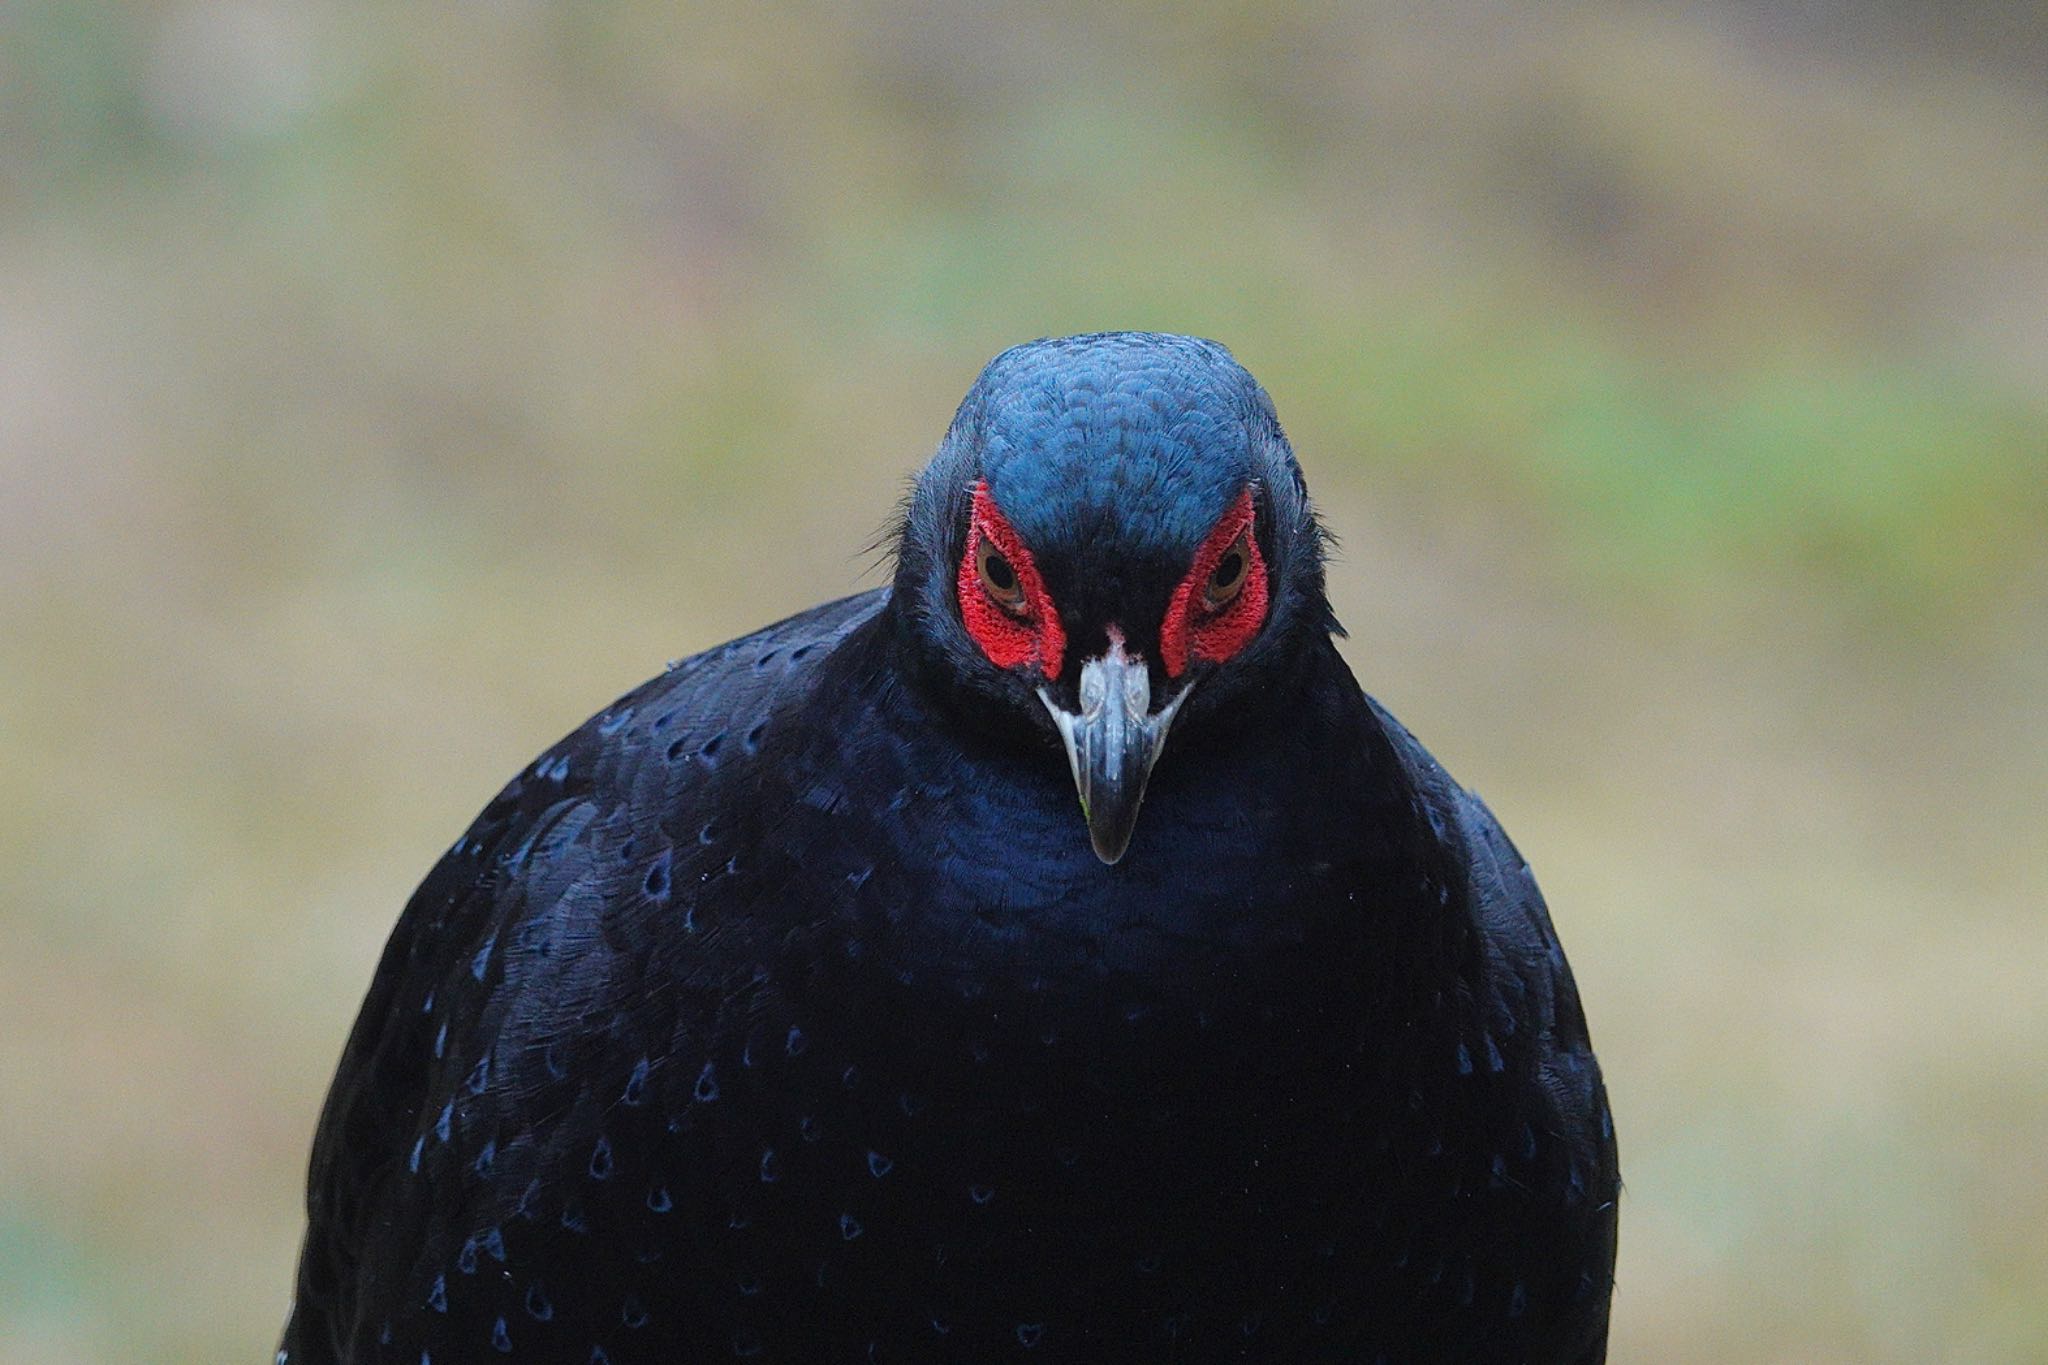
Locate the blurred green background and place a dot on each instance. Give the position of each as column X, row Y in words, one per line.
column 384, row 388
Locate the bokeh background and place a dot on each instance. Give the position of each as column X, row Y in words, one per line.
column 385, row 387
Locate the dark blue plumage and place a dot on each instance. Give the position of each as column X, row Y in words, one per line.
column 784, row 1011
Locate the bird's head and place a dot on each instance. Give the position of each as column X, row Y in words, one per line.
column 1113, row 541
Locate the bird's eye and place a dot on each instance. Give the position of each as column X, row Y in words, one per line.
column 1228, row 577
column 999, row 577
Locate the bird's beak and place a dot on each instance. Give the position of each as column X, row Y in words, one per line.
column 1112, row 744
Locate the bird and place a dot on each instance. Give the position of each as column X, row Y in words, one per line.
column 1052, row 954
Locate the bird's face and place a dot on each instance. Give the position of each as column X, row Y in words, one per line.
column 1113, row 528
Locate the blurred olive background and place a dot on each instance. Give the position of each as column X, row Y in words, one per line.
column 383, row 388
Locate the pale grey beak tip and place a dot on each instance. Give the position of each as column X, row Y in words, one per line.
column 1112, row 743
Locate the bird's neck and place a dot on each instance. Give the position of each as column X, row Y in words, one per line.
column 1280, row 874
column 1298, row 804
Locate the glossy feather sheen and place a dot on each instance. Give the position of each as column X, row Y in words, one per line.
column 772, row 1016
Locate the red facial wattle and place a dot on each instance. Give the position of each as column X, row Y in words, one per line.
column 1192, row 628
column 1010, row 637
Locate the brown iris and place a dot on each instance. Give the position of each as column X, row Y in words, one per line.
column 999, row 577
column 1227, row 579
